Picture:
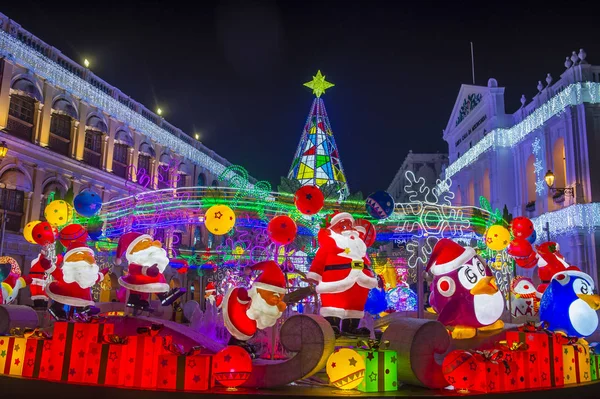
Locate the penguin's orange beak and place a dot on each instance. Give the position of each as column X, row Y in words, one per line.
column 486, row 285
column 592, row 300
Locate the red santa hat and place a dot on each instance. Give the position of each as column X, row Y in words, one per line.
column 210, row 287
column 271, row 278
column 338, row 217
column 448, row 256
column 74, row 247
column 127, row 242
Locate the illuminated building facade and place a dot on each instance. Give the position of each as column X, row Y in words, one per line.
column 65, row 128
column 426, row 166
column 505, row 157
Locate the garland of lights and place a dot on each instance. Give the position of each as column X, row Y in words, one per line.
column 569, row 220
column 574, row 94
column 42, row 66
column 538, row 167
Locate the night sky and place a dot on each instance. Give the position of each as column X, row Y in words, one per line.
column 233, row 71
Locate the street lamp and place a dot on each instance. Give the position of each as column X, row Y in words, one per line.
column 159, row 111
column 567, row 191
column 3, row 149
column 86, row 63
column 197, row 136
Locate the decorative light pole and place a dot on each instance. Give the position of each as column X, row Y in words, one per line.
column 3, row 152
column 3, row 149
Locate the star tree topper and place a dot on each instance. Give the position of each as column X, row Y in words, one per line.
column 318, row 84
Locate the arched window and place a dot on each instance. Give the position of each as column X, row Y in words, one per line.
column 146, row 154
column 201, row 180
column 183, row 174
column 20, row 117
column 471, row 193
column 51, row 191
column 559, row 166
column 215, row 183
column 486, row 185
column 458, row 196
column 123, row 142
column 164, row 179
column 95, row 130
column 13, row 186
column 61, row 126
column 530, row 179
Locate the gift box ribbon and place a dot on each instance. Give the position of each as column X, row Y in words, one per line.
column 373, row 344
column 114, row 339
column 151, row 331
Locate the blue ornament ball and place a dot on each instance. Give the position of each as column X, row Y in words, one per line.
column 380, row 205
column 376, row 301
column 87, row 203
column 532, row 237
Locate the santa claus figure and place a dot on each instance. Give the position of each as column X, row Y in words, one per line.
column 342, row 274
column 245, row 311
column 147, row 262
column 211, row 297
column 71, row 284
column 38, row 284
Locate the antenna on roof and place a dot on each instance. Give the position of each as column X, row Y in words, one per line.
column 472, row 63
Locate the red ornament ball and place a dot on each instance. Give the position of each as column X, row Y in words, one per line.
column 43, row 233
column 72, row 233
column 232, row 366
column 370, row 235
column 521, row 227
column 282, row 230
column 462, row 370
column 309, row 200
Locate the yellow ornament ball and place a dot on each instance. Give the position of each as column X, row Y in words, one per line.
column 219, row 219
column 345, row 369
column 28, row 230
column 497, row 238
column 58, row 213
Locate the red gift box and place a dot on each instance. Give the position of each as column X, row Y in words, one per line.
column 545, row 356
column 34, row 350
column 141, row 359
column 497, row 371
column 104, row 364
column 70, row 350
column 47, row 361
column 185, row 372
column 528, row 371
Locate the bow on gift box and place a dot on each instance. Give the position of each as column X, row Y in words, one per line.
column 36, row 334
column 86, row 318
column 115, row 339
column 516, row 346
column 373, row 344
column 178, row 350
column 494, row 355
column 29, row 333
column 151, row 331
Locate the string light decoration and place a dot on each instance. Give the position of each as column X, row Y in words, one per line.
column 538, row 166
column 570, row 219
column 40, row 65
column 571, row 95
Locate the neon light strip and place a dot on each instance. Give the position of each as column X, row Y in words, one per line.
column 574, row 94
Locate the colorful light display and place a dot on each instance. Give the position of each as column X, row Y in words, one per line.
column 317, row 160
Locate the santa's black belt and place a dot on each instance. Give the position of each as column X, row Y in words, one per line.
column 354, row 265
column 38, row 273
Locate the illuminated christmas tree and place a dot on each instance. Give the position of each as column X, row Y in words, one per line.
column 317, row 161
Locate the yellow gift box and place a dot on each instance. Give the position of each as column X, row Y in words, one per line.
column 12, row 355
column 576, row 363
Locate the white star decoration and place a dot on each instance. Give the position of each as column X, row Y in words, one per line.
column 536, row 147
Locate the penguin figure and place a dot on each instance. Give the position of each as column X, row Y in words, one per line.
column 525, row 298
column 569, row 304
column 463, row 292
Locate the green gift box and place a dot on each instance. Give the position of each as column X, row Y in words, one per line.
column 595, row 366
column 381, row 370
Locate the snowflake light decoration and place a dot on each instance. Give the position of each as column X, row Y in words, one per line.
column 430, row 216
column 538, row 166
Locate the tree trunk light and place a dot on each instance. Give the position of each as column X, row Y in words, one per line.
column 3, row 149
column 549, row 178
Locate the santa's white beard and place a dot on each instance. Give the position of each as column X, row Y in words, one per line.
column 211, row 299
column 259, row 310
column 358, row 249
column 80, row 272
column 149, row 257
